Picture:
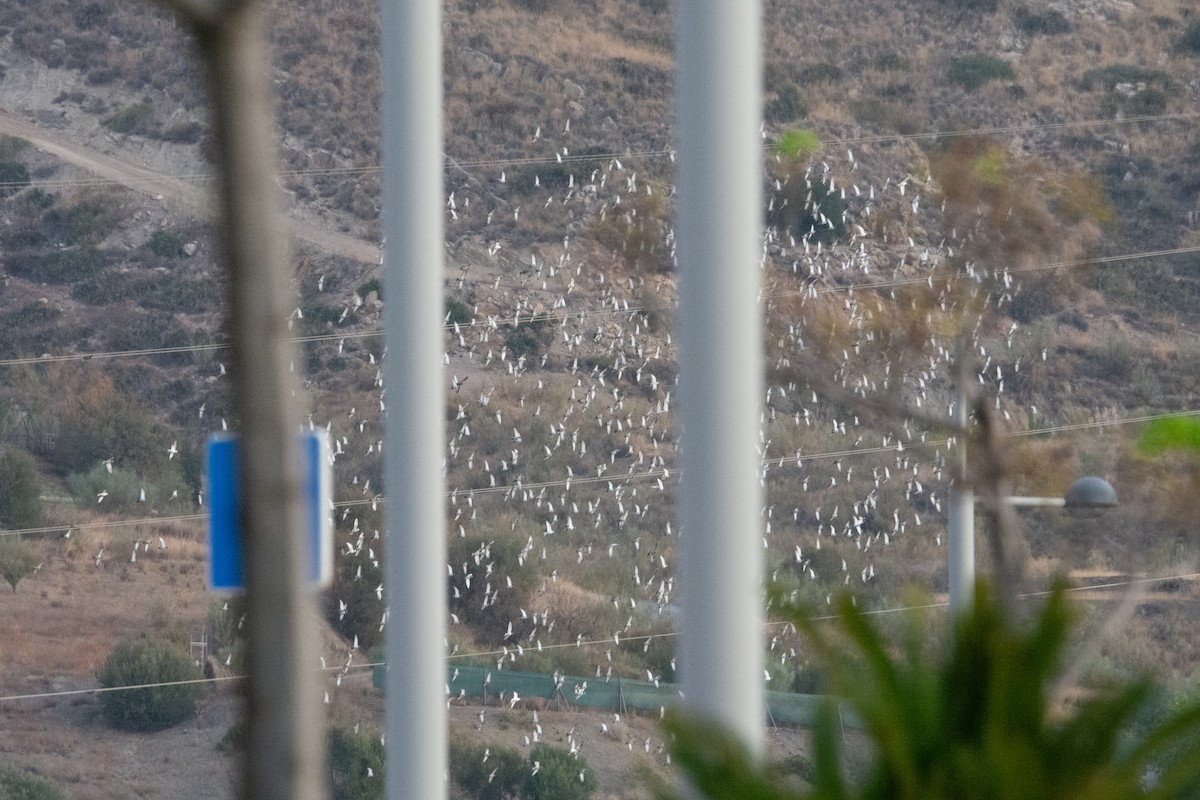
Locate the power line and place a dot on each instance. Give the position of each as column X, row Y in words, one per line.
column 582, row 314
column 505, row 652
column 637, row 476
column 465, row 165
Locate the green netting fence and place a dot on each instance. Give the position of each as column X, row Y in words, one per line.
column 612, row 694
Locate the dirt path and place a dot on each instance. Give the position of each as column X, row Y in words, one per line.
column 192, row 194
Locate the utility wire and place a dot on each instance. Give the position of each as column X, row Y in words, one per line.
column 635, row 476
column 582, row 314
column 465, row 165
column 505, row 652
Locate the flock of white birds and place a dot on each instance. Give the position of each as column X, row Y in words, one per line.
column 560, row 441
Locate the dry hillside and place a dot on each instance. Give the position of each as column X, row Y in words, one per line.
column 1020, row 178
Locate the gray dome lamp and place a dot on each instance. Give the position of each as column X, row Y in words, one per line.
column 1086, row 493
column 1090, row 492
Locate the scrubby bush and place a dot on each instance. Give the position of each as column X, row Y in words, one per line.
column 1108, row 77
column 183, row 133
column 123, row 489
column 528, row 339
column 137, row 118
column 355, row 765
column 14, row 176
column 148, row 661
column 19, row 487
column 575, row 170
column 902, row 118
column 66, row 266
column 802, row 211
column 974, row 70
column 1190, row 41
column 98, row 422
column 166, row 243
column 16, row 784
column 17, row 559
column 353, row 606
column 1048, row 23
column 980, row 6
column 457, row 311
column 495, row 773
column 787, row 105
column 820, row 72
column 556, row 774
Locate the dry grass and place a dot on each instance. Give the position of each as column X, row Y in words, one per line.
column 64, row 619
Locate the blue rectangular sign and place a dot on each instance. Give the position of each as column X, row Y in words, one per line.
column 226, row 552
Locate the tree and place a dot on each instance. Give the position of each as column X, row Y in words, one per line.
column 162, row 667
column 355, row 765
column 495, row 773
column 17, row 559
column 19, row 487
column 558, row 775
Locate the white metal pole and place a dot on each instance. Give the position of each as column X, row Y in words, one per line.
column 718, row 231
column 415, row 557
column 960, row 526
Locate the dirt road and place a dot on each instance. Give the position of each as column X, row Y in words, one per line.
column 192, row 194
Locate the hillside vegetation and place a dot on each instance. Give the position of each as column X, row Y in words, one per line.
column 945, row 182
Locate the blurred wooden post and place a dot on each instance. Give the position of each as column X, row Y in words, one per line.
column 285, row 725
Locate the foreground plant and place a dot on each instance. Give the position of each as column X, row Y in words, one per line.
column 985, row 720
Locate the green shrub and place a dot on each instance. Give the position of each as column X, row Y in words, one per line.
column 183, row 133
column 225, row 640
column 16, row 784
column 575, row 170
column 890, row 61
column 1049, row 23
column 86, row 220
column 123, row 489
column 1108, row 77
column 137, row 118
column 166, row 243
column 353, row 607
column 559, row 775
column 820, row 72
column 59, row 267
column 787, row 105
column 148, row 661
column 355, row 765
column 901, row 117
column 974, row 70
column 494, row 773
column 1148, row 102
column 19, row 488
column 815, row 212
column 97, row 422
column 17, row 559
column 1190, row 41
column 980, row 6
column 373, row 285
column 457, row 311
column 153, row 330
column 527, row 339
column 11, row 147
column 14, row 176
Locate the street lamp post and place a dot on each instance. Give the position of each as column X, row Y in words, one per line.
column 1086, row 493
